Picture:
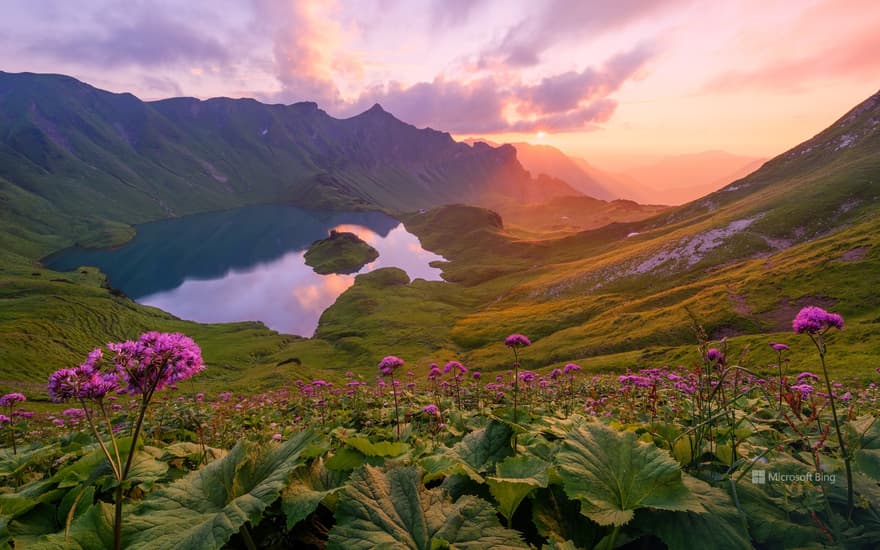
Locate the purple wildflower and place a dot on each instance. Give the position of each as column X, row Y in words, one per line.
column 431, row 409
column 715, row 356
column 527, row 376
column 63, row 385
column 73, row 413
column 779, row 347
column 476, row 375
column 4, row 419
column 571, row 367
column 806, row 376
column 157, row 360
column 456, row 366
column 10, row 399
column 389, row 364
column 813, row 320
column 434, row 373
column 517, row 341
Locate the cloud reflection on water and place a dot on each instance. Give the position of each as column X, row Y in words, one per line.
column 285, row 294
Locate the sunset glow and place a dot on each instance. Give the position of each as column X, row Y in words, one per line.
column 596, row 79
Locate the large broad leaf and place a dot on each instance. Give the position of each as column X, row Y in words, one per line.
column 93, row 529
column 559, row 519
column 612, row 475
column 204, row 509
column 346, row 459
column 517, row 476
column 770, row 525
column 26, row 498
column 308, row 488
column 12, row 464
column 720, row 528
column 867, row 456
column 476, row 454
column 382, row 448
column 394, row 510
column 146, row 469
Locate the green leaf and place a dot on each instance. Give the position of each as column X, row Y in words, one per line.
column 12, row 464
column 612, row 475
column 517, row 477
column 146, row 469
column 683, row 451
column 720, row 527
column 383, row 448
column 770, row 525
column 559, row 519
column 205, row 508
column 307, row 489
column 90, row 467
column 93, row 529
column 394, row 510
column 346, row 458
column 190, row 451
column 27, row 497
column 867, row 455
column 476, row 454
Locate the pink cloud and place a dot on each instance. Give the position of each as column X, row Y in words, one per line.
column 312, row 59
column 310, row 50
column 557, row 103
column 559, row 20
column 568, row 91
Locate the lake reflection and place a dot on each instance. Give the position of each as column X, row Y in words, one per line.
column 247, row 264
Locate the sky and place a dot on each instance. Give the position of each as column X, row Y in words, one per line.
column 598, row 79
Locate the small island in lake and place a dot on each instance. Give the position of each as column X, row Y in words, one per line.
column 341, row 253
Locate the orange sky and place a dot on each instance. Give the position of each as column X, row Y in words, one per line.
column 599, row 79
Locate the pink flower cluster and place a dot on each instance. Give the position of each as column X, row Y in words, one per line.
column 517, row 341
column 153, row 362
column 813, row 320
column 389, row 364
column 156, row 360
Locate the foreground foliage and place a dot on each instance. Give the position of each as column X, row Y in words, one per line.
column 444, row 459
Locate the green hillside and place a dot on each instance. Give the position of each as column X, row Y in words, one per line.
column 801, row 230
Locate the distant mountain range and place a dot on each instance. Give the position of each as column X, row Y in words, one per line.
column 77, row 163
column 682, row 178
column 671, row 180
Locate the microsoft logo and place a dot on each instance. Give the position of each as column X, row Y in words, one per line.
column 761, row 477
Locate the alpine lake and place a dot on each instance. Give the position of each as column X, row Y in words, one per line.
column 247, row 264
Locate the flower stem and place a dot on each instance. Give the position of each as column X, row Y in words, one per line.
column 110, row 431
column 781, row 382
column 820, row 345
column 113, row 465
column 396, row 413
column 515, row 395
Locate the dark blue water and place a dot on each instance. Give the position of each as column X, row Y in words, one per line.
column 246, row 264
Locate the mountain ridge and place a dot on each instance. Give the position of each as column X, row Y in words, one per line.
column 100, row 160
